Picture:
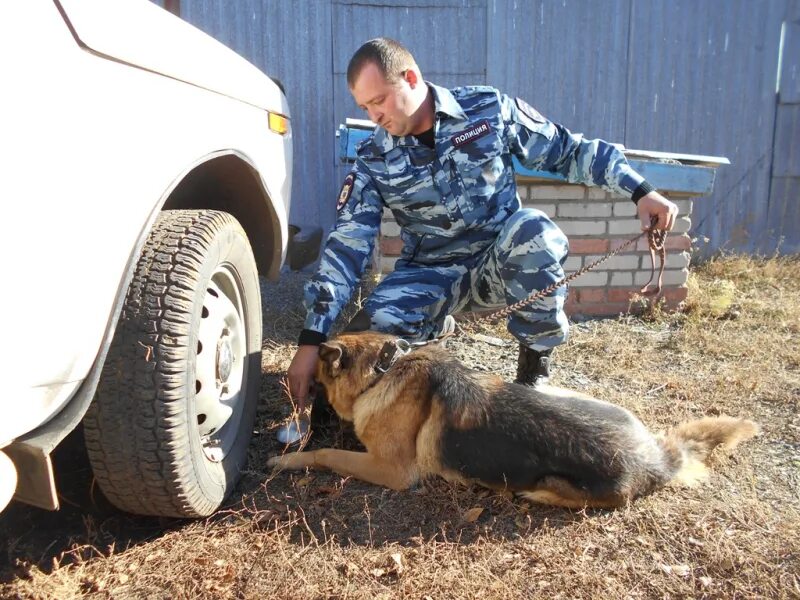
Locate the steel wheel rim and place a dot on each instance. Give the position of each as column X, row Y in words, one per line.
column 220, row 365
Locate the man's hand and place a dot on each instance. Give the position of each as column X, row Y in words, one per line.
column 655, row 205
column 300, row 373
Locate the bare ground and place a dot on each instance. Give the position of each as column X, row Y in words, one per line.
column 732, row 350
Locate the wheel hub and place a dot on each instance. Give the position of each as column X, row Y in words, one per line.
column 224, row 359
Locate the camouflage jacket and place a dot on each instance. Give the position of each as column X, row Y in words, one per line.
column 450, row 202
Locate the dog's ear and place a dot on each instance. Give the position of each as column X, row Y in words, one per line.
column 332, row 355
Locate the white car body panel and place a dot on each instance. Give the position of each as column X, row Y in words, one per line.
column 173, row 48
column 84, row 173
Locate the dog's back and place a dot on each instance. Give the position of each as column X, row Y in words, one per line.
column 515, row 437
column 506, row 435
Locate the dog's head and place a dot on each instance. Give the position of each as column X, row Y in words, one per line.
column 347, row 367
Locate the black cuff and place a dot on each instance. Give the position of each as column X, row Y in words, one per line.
column 643, row 189
column 309, row 337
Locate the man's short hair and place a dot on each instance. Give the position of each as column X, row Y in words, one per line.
column 392, row 58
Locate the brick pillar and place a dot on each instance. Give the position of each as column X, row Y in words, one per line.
column 595, row 223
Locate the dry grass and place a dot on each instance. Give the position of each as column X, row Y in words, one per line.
column 733, row 350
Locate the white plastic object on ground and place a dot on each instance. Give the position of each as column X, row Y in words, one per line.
column 8, row 480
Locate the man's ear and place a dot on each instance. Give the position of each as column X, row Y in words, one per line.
column 331, row 354
column 411, row 77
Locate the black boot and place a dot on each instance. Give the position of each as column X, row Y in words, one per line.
column 360, row 322
column 533, row 368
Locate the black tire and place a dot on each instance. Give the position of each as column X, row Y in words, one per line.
column 143, row 429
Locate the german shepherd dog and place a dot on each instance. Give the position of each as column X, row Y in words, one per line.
column 426, row 414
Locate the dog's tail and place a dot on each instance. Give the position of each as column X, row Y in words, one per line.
column 690, row 444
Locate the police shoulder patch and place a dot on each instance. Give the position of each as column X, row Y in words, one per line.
column 530, row 112
column 346, row 191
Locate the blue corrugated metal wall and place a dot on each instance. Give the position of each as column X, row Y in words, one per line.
column 672, row 75
column 708, row 86
column 784, row 199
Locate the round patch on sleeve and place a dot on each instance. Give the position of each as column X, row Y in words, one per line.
column 530, row 112
column 346, row 192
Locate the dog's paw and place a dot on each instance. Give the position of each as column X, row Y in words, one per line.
column 292, row 461
column 273, row 462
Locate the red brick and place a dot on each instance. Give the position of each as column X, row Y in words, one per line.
column 607, row 308
column 590, row 295
column 621, row 294
column 673, row 295
column 588, row 246
column 674, row 242
column 391, row 246
column 603, row 309
column 618, row 301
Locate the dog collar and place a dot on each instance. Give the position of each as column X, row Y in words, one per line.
column 390, row 352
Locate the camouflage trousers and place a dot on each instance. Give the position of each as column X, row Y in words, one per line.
column 528, row 254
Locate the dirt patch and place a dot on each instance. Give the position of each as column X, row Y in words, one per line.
column 733, row 350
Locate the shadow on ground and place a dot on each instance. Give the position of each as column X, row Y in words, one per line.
column 85, row 526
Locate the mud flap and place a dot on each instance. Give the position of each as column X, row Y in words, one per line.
column 304, row 245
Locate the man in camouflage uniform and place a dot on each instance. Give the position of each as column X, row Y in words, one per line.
column 441, row 161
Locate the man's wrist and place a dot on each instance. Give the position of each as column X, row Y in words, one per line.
column 641, row 191
column 309, row 337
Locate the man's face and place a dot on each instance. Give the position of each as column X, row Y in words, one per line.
column 390, row 105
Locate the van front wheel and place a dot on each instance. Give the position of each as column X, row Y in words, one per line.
column 168, row 430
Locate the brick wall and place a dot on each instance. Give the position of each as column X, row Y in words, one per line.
column 595, row 223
